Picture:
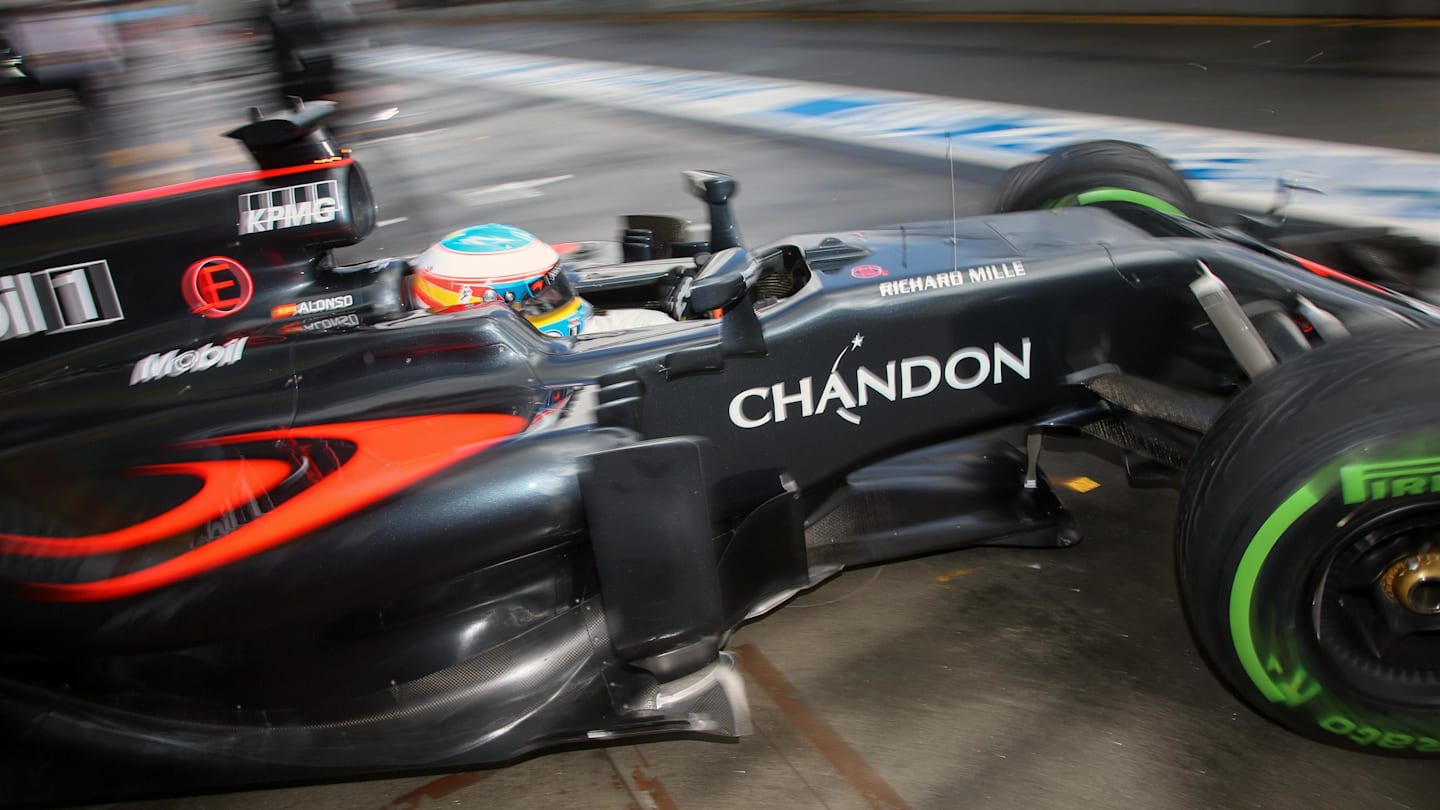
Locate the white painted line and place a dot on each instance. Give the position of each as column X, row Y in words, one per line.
column 503, row 192
column 1363, row 185
column 404, row 136
column 396, row 221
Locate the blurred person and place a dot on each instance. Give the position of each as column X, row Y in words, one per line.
column 67, row 48
column 76, row 49
column 303, row 34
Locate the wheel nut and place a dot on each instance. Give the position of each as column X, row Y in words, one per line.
column 1415, row 583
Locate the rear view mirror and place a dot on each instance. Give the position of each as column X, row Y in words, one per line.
column 723, row 281
column 709, row 187
column 715, row 190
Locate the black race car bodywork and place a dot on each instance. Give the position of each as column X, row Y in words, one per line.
column 263, row 522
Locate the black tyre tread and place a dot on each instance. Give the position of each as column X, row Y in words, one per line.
column 1268, row 441
column 1095, row 164
column 1269, row 416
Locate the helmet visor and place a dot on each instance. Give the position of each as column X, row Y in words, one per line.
column 546, row 294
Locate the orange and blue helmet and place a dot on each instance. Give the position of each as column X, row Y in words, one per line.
column 498, row 263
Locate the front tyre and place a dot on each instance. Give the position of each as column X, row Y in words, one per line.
column 1099, row 173
column 1309, row 545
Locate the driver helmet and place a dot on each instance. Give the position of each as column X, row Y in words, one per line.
column 495, row 263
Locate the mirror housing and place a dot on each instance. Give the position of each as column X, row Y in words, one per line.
column 716, row 190
column 721, row 283
column 712, row 188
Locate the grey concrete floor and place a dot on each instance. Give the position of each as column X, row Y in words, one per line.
column 985, row 678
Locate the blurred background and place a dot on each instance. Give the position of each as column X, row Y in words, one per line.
column 108, row 97
column 559, row 115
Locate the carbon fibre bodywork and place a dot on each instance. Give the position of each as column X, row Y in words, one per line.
column 317, row 534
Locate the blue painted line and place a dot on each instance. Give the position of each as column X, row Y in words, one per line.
column 1206, row 173
column 977, row 129
column 825, row 106
column 151, row 13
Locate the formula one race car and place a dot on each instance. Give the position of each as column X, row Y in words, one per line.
column 266, row 518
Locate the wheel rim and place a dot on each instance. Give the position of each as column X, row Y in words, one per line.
column 1377, row 607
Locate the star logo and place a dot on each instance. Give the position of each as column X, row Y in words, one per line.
column 844, row 413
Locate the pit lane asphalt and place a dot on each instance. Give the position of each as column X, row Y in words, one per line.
column 987, row 678
column 1368, row 86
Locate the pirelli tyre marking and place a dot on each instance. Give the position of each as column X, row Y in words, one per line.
column 1287, row 682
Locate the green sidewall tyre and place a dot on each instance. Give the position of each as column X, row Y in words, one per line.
column 1327, row 462
column 1101, row 196
column 1099, row 173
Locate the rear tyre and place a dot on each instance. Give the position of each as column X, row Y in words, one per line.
column 1309, row 545
column 1106, row 173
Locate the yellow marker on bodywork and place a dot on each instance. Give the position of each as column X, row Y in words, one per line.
column 1079, row 483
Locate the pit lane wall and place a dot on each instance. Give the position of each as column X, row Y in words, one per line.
column 1210, row 8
